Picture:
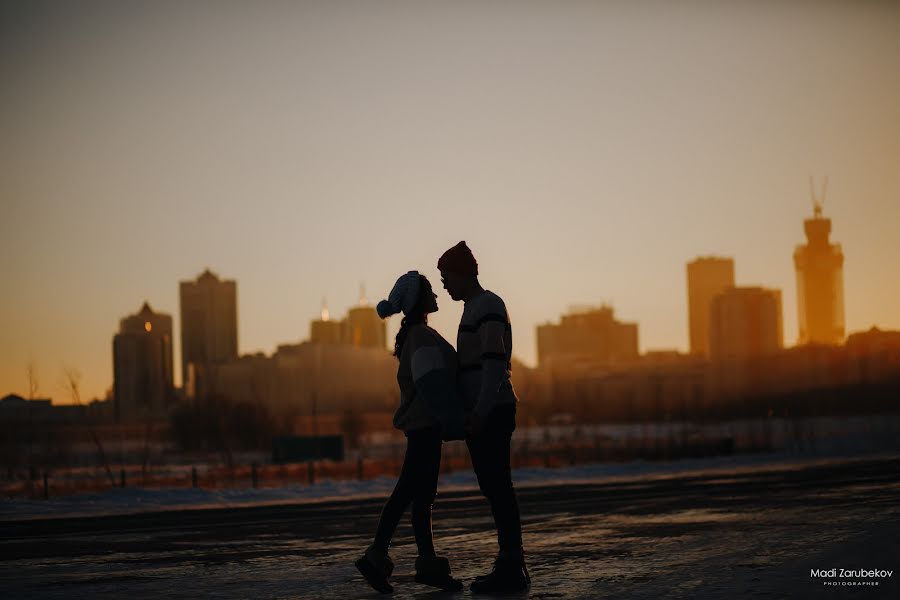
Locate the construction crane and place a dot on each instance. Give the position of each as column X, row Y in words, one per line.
column 818, row 202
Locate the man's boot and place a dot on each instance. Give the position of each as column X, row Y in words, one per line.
column 509, row 575
column 376, row 566
column 435, row 571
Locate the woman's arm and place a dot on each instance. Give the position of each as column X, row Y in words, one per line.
column 437, row 389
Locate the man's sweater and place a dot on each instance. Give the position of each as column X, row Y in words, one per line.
column 484, row 349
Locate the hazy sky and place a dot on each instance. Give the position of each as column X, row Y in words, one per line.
column 586, row 151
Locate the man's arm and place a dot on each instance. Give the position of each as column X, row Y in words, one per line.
column 493, row 361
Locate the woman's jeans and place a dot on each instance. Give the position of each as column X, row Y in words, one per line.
column 417, row 485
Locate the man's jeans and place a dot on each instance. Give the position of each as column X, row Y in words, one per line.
column 490, row 458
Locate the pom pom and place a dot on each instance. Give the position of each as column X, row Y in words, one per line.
column 385, row 309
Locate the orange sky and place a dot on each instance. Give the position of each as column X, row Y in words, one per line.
column 585, row 151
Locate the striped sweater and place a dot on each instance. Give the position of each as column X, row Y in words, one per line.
column 484, row 349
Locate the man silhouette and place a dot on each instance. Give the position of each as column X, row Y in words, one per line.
column 484, row 349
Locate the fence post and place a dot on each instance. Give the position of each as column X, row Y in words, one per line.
column 32, row 475
column 254, row 476
column 194, row 476
column 46, row 489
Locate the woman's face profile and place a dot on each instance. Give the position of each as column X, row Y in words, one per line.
column 430, row 302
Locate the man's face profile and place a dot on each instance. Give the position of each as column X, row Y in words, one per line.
column 453, row 283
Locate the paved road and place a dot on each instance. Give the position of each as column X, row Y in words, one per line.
column 740, row 535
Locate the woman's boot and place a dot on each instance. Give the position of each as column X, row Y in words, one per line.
column 435, row 571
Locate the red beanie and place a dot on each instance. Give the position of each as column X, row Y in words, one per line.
column 459, row 259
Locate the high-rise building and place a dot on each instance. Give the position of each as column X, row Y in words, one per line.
column 143, row 384
column 707, row 277
column 324, row 330
column 592, row 335
column 820, row 283
column 363, row 328
column 745, row 322
column 208, row 321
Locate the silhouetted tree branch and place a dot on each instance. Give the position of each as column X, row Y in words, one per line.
column 73, row 382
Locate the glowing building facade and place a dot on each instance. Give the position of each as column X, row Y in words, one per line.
column 707, row 277
column 820, row 284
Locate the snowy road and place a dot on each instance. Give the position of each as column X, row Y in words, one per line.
column 748, row 534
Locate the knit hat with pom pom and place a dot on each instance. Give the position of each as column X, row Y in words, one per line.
column 402, row 297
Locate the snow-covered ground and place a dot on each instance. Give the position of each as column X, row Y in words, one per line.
column 138, row 500
column 751, row 527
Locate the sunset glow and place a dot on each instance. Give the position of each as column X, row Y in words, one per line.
column 586, row 156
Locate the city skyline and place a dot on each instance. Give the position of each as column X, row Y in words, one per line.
column 585, row 156
column 324, row 318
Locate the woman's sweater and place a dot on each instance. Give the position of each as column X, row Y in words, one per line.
column 424, row 353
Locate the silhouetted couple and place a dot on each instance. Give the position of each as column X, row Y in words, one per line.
column 451, row 395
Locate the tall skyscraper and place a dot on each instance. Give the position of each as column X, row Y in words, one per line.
column 820, row 282
column 707, row 277
column 745, row 322
column 143, row 384
column 208, row 321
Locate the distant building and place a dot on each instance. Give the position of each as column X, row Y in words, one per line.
column 40, row 410
column 143, row 383
column 249, row 378
column 707, row 277
column 327, row 379
column 745, row 322
column 304, row 379
column 820, row 283
column 588, row 335
column 345, row 365
column 875, row 354
column 874, row 341
column 325, row 330
column 656, row 387
column 208, row 321
column 363, row 328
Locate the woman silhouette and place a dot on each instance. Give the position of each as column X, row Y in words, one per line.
column 428, row 414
